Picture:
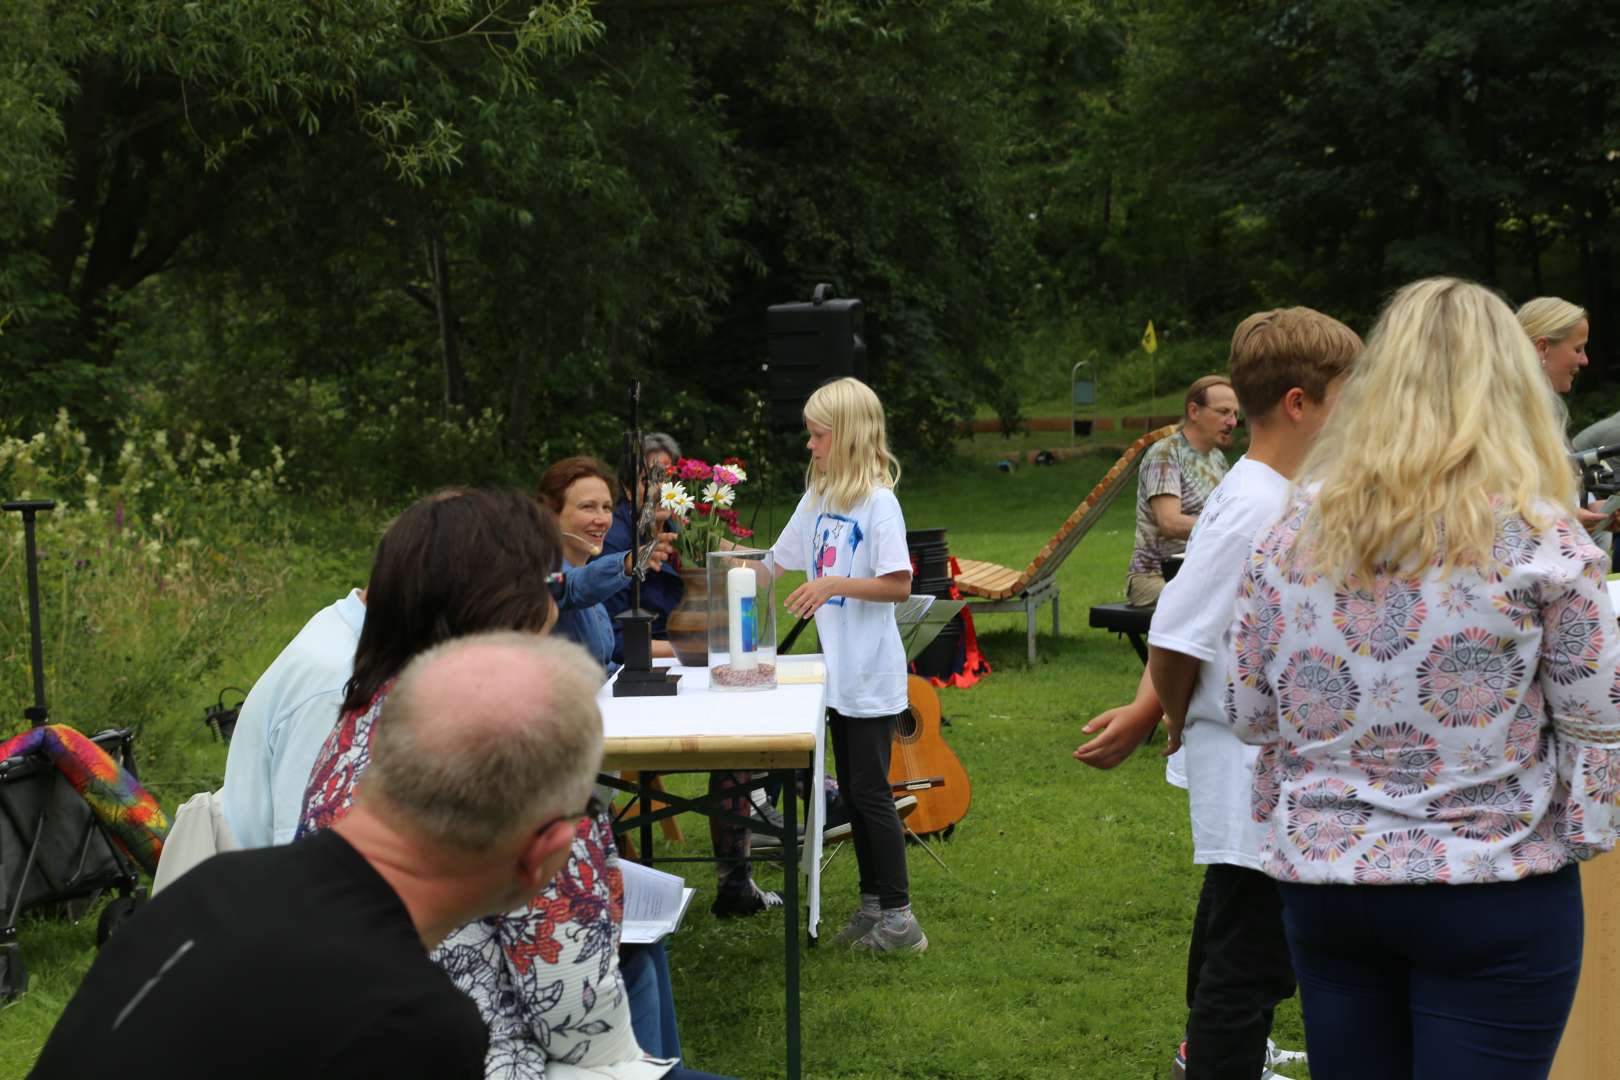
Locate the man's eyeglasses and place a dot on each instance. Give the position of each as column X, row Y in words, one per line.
column 595, row 807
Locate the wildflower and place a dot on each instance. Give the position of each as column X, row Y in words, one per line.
column 726, row 475
column 720, row 494
column 673, row 497
column 738, row 531
column 692, row 469
column 735, row 466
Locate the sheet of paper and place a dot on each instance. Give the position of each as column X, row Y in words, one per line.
column 794, row 672
column 654, row 903
column 912, row 609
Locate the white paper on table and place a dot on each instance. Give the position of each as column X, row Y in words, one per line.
column 654, row 903
column 799, row 672
column 912, row 609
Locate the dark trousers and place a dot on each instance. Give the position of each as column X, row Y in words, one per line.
column 1403, row 981
column 861, row 755
column 732, row 843
column 1237, row 971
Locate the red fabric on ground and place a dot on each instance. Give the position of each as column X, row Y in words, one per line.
column 970, row 665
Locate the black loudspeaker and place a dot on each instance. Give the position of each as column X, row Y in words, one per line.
column 810, row 344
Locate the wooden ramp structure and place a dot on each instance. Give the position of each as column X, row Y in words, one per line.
column 992, row 587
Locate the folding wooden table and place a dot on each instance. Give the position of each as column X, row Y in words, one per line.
column 701, row 730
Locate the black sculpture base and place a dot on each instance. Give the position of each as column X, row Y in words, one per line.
column 659, row 682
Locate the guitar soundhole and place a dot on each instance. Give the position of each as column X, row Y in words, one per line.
column 906, row 726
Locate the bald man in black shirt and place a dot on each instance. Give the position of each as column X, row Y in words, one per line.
column 310, row 960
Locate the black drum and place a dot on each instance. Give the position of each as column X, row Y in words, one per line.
column 930, row 562
column 931, row 576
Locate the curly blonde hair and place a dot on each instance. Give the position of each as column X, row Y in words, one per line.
column 1423, row 450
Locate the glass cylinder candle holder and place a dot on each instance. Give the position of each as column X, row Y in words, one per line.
column 742, row 619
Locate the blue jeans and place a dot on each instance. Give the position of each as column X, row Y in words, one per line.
column 652, row 1006
column 1401, row 981
column 652, row 1002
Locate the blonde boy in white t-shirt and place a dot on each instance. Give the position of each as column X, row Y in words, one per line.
column 1285, row 366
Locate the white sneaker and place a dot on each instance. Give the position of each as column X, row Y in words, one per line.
column 1277, row 1057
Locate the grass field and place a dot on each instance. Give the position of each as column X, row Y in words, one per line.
column 1058, row 933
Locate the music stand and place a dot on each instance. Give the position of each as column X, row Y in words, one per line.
column 921, row 618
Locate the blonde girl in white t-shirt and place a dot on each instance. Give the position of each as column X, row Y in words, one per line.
column 849, row 537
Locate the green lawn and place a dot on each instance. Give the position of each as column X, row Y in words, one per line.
column 1058, row 933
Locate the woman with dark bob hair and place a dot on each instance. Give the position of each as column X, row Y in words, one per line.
column 546, row 978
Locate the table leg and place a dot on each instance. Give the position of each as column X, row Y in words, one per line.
column 643, row 785
column 790, row 902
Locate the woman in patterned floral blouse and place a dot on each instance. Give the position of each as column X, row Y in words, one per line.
column 546, row 979
column 1427, row 653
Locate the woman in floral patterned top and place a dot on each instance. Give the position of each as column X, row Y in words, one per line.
column 546, row 978
column 1427, row 654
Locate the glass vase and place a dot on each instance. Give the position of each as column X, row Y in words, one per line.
column 742, row 619
column 688, row 624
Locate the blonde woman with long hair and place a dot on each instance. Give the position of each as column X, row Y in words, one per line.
column 1560, row 330
column 1425, row 650
column 849, row 537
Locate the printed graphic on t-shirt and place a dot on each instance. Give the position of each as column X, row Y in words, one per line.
column 837, row 538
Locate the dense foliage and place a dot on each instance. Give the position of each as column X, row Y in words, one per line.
column 413, row 241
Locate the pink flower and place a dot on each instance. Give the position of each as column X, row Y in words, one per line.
column 692, row 469
column 724, row 475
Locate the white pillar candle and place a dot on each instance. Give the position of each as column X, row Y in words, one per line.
column 743, row 624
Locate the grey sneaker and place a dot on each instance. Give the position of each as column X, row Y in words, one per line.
column 896, row 932
column 859, row 925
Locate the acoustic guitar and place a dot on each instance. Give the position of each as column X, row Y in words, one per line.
column 922, row 763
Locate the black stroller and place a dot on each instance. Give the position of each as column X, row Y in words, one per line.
column 55, row 855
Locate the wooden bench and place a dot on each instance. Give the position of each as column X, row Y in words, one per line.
column 995, row 588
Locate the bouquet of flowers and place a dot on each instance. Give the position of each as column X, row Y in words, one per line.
column 702, row 499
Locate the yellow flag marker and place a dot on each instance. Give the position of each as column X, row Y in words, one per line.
column 1150, row 340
